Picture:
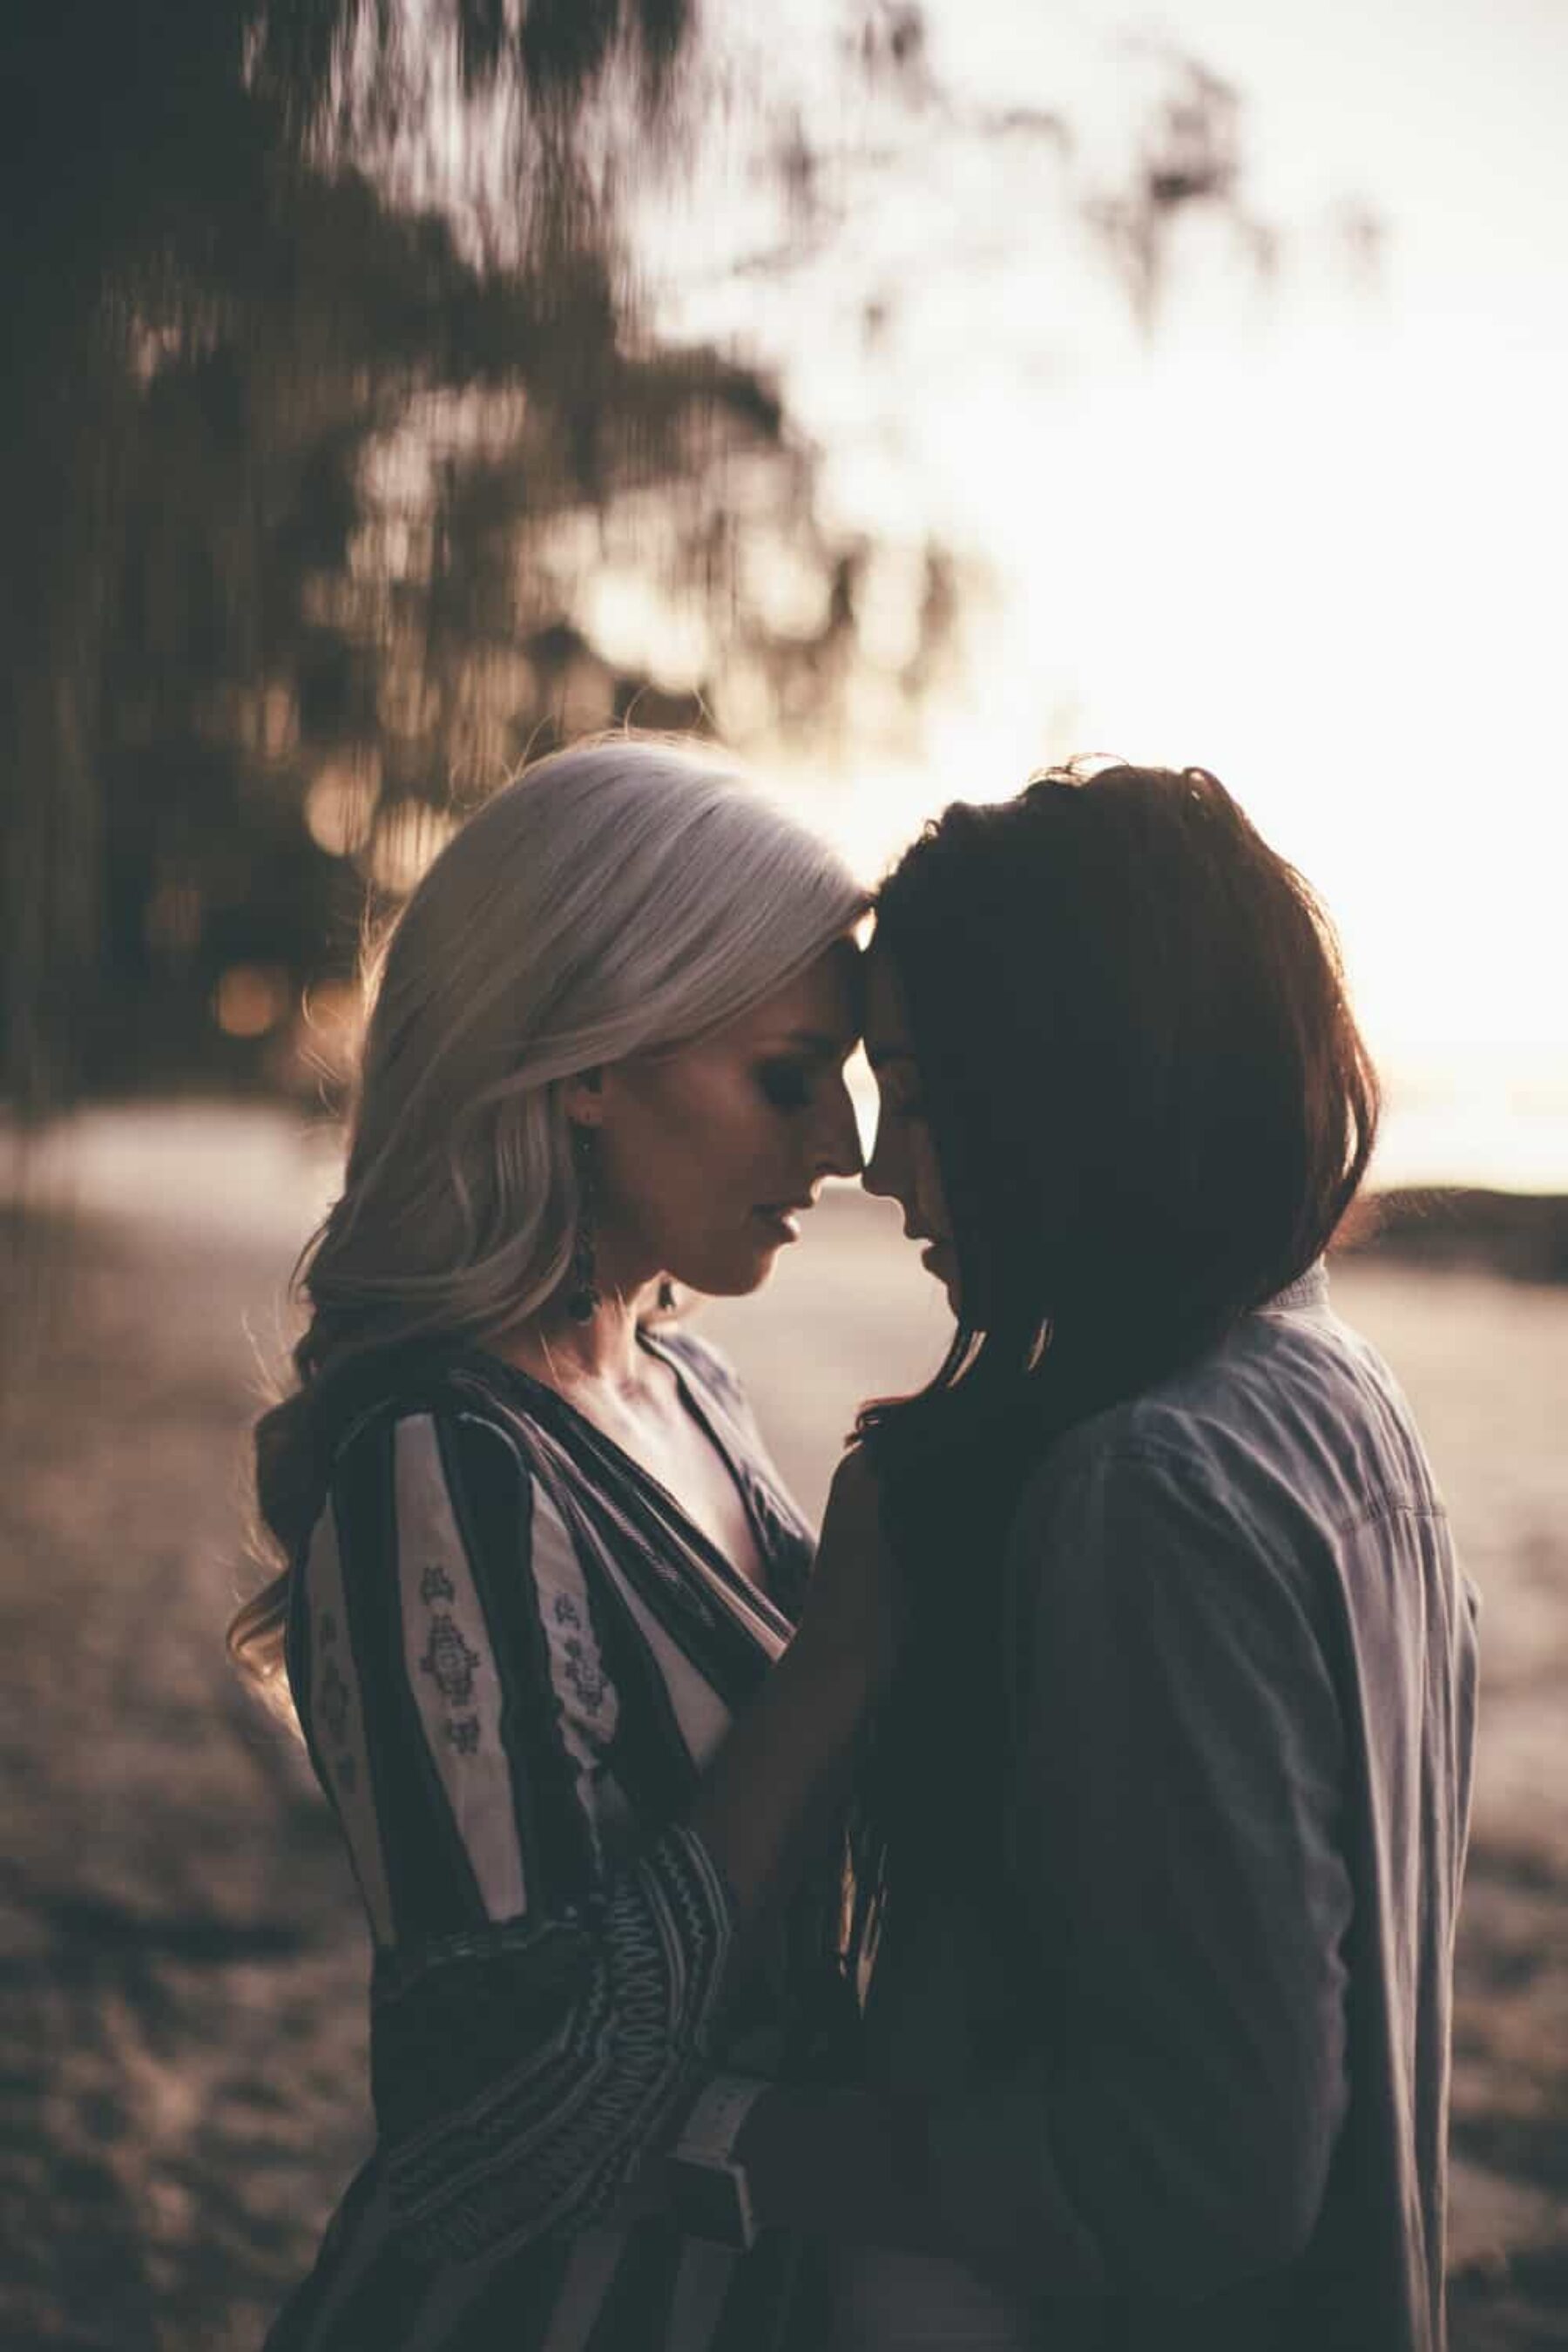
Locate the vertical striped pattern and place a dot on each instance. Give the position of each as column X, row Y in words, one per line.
column 701, row 2285
column 450, row 1666
column 588, row 1701
column 430, row 1873
column 590, row 2269
column 512, row 1655
column 336, row 1722
column 701, row 1714
column 498, row 1494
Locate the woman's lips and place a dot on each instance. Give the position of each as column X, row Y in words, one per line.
column 780, row 1223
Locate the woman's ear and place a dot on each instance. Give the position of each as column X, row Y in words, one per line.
column 583, row 1097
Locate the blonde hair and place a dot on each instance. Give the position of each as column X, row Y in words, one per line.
column 628, row 895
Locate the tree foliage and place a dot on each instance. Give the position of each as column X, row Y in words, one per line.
column 301, row 489
column 332, row 399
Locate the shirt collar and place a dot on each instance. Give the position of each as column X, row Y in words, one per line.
column 1308, row 1289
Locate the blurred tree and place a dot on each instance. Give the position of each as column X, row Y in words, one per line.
column 333, row 410
column 298, row 487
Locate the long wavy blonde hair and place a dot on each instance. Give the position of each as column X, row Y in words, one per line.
column 625, row 895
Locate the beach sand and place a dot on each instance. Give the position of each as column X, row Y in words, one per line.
column 182, row 2040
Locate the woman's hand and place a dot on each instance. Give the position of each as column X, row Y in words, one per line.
column 853, row 1611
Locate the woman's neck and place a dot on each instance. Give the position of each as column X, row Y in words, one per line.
column 602, row 1353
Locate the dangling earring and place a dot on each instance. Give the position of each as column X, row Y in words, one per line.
column 666, row 1295
column 582, row 1298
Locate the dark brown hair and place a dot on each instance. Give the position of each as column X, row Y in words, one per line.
column 1151, row 1108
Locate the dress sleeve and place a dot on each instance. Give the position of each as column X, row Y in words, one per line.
column 1181, row 1796
column 536, row 2015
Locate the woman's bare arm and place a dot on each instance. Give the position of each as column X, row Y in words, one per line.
column 786, row 1761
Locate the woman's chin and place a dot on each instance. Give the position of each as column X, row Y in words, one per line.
column 732, row 1278
column 758, row 1273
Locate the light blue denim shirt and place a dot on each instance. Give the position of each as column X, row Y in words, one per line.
column 1243, row 1687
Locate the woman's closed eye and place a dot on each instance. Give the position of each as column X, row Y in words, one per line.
column 786, row 1085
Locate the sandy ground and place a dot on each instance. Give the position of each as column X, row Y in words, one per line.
column 182, row 2040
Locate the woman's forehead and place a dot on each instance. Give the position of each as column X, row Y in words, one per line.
column 820, row 1007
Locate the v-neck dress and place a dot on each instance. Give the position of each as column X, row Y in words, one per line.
column 512, row 1653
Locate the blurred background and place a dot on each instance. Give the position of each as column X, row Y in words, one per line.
column 907, row 395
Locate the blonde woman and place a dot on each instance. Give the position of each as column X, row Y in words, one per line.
column 537, row 1560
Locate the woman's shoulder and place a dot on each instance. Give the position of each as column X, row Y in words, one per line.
column 431, row 1458
column 1177, row 1455
column 1143, row 1449
column 434, row 1396
column 1286, row 1432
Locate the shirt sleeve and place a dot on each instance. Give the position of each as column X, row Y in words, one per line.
column 536, row 2015
column 1181, row 1796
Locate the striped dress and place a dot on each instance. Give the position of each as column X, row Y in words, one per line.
column 512, row 1653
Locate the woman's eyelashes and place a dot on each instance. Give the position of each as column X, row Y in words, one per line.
column 786, row 1085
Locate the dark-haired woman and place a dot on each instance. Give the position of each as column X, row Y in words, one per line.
column 1159, row 1839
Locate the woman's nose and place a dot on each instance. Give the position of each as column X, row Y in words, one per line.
column 838, row 1149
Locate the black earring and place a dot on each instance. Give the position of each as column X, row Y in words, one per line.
column 582, row 1298
column 665, row 1295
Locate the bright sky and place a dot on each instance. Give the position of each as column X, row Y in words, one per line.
column 1313, row 534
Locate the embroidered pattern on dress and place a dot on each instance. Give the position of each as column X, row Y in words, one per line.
column 332, row 1698
column 585, row 1675
column 435, row 1584
column 449, row 1661
column 582, row 1669
column 545, row 2146
column 463, row 1734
